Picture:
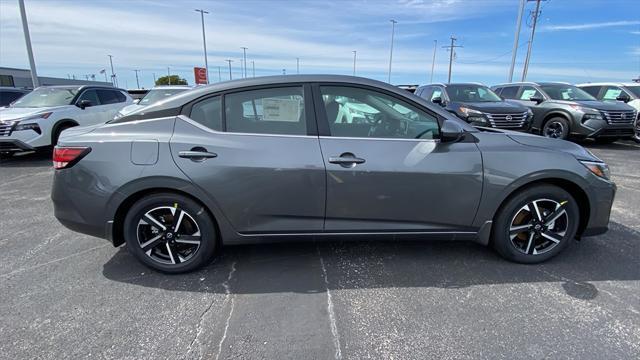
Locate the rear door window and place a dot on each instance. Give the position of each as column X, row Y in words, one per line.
column 266, row 111
column 208, row 112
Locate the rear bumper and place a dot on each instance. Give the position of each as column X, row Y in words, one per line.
column 14, row 145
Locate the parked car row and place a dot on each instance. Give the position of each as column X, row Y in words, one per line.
column 551, row 109
column 36, row 119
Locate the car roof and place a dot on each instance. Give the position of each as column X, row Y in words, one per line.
column 80, row 87
column 187, row 96
column 609, row 84
column 11, row 88
column 171, row 87
column 544, row 83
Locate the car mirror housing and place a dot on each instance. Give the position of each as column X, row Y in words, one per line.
column 536, row 99
column 451, row 131
column 82, row 104
column 437, row 100
column 623, row 98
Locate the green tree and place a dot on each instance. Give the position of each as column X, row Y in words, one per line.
column 171, row 80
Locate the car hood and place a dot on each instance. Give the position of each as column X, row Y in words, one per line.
column 598, row 105
column 494, row 107
column 576, row 150
column 13, row 113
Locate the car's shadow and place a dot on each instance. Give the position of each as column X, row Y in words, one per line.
column 625, row 145
column 300, row 267
column 33, row 159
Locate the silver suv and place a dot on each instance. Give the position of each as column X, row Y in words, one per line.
column 562, row 110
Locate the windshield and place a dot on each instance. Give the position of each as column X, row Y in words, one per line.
column 471, row 93
column 158, row 94
column 635, row 89
column 566, row 92
column 46, row 97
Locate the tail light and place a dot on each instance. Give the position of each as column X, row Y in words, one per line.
column 65, row 157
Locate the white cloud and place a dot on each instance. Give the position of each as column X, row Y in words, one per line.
column 588, row 26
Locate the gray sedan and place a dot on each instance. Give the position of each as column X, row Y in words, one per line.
column 263, row 158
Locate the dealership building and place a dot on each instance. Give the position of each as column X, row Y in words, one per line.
column 21, row 78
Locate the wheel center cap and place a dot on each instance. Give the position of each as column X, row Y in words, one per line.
column 538, row 227
column 169, row 235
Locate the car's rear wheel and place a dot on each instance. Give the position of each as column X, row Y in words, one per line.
column 535, row 224
column 556, row 128
column 170, row 233
column 636, row 137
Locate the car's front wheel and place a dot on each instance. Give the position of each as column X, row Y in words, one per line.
column 170, row 233
column 535, row 224
column 556, row 128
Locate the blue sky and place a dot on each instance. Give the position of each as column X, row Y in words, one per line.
column 576, row 40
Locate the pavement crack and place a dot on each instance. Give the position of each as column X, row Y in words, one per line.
column 330, row 311
column 199, row 328
column 51, row 262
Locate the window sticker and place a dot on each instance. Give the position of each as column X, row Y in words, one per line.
column 281, row 109
column 527, row 94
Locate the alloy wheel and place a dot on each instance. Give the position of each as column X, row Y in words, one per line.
column 637, row 135
column 168, row 235
column 554, row 129
column 539, row 226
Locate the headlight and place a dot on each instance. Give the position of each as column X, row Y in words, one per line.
column 32, row 126
column 468, row 112
column 583, row 109
column 599, row 169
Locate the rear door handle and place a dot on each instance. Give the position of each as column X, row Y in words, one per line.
column 347, row 160
column 197, row 154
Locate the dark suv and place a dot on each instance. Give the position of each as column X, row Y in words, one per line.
column 562, row 110
column 478, row 105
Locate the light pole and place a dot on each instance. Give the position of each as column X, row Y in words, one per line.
column 451, row 48
column 515, row 40
column 154, row 78
column 114, row 81
column 244, row 59
column 27, row 40
column 229, row 61
column 169, row 75
column 298, row 65
column 204, row 42
column 354, row 62
column 433, row 62
column 533, row 31
column 253, row 67
column 137, row 80
column 219, row 73
column 393, row 28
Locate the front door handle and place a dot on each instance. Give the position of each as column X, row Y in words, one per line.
column 197, row 154
column 347, row 160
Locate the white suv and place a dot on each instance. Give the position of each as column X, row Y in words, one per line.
column 627, row 92
column 37, row 119
column 155, row 94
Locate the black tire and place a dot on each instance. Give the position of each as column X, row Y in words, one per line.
column 138, row 230
column 59, row 129
column 529, row 250
column 556, row 128
column 606, row 140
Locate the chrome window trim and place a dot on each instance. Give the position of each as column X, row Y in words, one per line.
column 195, row 123
column 376, row 138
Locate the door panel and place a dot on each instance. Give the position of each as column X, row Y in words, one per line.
column 263, row 183
column 403, row 185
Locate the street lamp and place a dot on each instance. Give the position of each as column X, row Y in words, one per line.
column 229, row 61
column 244, row 57
column 393, row 28
column 204, row 42
column 354, row 62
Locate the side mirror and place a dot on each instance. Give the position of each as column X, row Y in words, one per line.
column 624, row 98
column 536, row 99
column 82, row 104
column 451, row 131
column 437, row 100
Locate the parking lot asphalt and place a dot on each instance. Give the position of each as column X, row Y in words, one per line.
column 67, row 295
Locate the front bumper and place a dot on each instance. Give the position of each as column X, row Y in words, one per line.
column 600, row 129
column 14, row 145
column 601, row 196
